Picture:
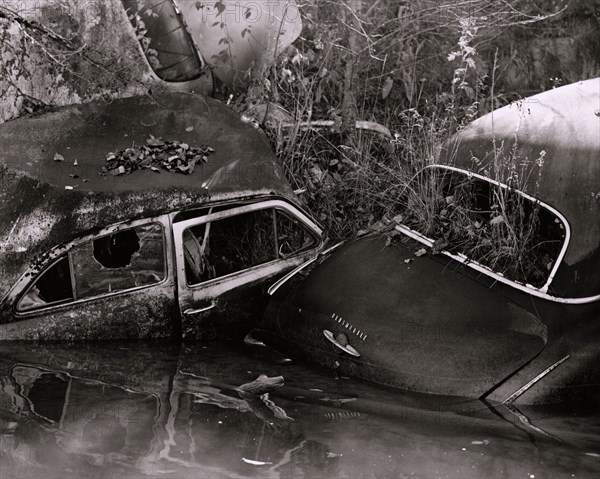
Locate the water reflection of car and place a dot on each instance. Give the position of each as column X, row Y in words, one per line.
column 411, row 311
column 152, row 253
column 149, row 408
column 142, row 408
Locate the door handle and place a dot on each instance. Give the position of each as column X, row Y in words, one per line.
column 335, row 340
column 191, row 311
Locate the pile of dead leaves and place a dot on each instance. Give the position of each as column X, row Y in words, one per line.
column 156, row 154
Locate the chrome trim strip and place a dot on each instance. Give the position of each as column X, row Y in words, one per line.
column 524, row 388
column 280, row 282
column 496, row 276
column 563, row 251
column 523, row 419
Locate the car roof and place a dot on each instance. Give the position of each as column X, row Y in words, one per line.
column 564, row 124
column 88, row 132
column 39, row 210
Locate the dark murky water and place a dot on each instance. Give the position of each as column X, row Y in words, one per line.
column 145, row 409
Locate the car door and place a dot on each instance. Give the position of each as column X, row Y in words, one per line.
column 118, row 283
column 227, row 259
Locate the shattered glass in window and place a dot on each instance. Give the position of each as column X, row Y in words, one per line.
column 122, row 260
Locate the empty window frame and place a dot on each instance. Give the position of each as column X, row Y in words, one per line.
column 119, row 261
column 236, row 243
column 292, row 236
column 53, row 286
column 494, row 225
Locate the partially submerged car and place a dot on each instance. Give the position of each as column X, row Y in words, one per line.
column 432, row 306
column 140, row 250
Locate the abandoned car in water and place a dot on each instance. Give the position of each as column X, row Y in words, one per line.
column 93, row 248
column 434, row 304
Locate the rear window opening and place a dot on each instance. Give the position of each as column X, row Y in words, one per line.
column 497, row 226
column 52, row 287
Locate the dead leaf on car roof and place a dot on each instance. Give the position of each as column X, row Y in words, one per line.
column 175, row 156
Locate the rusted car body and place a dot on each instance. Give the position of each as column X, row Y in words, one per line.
column 195, row 46
column 401, row 310
column 87, row 255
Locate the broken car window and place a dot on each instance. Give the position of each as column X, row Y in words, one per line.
column 236, row 243
column 195, row 248
column 52, row 287
column 123, row 260
column 494, row 225
column 116, row 250
column 229, row 245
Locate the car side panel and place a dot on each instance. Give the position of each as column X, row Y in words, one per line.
column 147, row 313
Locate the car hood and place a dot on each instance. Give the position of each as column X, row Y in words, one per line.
column 417, row 322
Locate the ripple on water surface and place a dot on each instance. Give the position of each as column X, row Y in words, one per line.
column 142, row 409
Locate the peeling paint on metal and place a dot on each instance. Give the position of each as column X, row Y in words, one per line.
column 32, row 228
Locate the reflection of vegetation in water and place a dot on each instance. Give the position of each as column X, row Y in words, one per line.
column 130, row 411
column 495, row 225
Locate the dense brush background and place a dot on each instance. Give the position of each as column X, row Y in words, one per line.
column 421, row 68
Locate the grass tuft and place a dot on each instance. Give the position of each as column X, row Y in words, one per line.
column 419, row 72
